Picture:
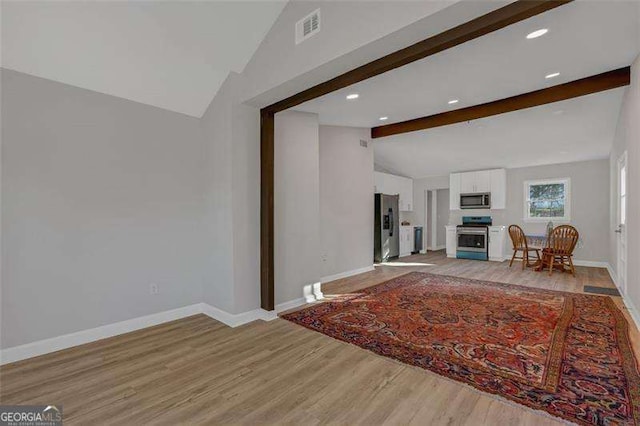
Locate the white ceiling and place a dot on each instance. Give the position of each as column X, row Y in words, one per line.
column 585, row 38
column 578, row 129
column 170, row 54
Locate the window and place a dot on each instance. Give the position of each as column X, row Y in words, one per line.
column 547, row 200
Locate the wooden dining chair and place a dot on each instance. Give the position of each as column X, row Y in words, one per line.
column 519, row 241
column 559, row 251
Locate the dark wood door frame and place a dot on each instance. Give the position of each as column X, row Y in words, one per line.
column 573, row 89
column 478, row 27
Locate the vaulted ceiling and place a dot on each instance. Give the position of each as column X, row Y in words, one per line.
column 584, row 38
column 577, row 129
column 174, row 55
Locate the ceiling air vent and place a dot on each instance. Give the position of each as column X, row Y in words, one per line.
column 363, row 143
column 308, row 26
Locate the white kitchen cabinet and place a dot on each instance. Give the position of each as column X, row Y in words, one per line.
column 379, row 183
column 452, row 240
column 492, row 181
column 406, row 194
column 498, row 188
column 483, row 181
column 468, row 183
column 406, row 240
column 454, row 191
column 497, row 243
column 473, row 182
column 389, row 184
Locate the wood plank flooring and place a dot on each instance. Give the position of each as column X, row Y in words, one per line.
column 199, row 371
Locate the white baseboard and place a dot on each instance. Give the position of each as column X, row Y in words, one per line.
column 346, row 274
column 234, row 320
column 591, row 263
column 41, row 347
column 281, row 307
column 54, row 344
column 614, row 276
column 633, row 310
column 65, row 341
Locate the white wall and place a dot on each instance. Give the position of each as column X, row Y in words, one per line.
column 246, row 190
column 442, row 216
column 427, row 230
column 417, row 217
column 278, row 69
column 101, row 198
column 231, row 201
column 347, row 27
column 297, row 204
column 346, row 200
column 628, row 139
column 165, row 157
column 419, row 188
column 217, row 221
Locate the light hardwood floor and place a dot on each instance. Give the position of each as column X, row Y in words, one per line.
column 197, row 370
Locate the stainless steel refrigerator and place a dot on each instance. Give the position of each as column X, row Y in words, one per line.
column 386, row 228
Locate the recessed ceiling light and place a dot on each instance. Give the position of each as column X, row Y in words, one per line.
column 353, row 96
column 537, row 33
column 558, row 112
column 384, row 118
column 453, row 101
column 552, row 75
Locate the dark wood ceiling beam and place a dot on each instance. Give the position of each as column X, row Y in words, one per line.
column 500, row 18
column 485, row 24
column 585, row 86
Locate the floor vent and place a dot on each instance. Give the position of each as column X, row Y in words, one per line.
column 308, row 26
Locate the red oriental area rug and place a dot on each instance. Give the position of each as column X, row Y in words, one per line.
column 565, row 353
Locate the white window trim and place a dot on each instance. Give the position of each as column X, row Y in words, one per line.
column 567, row 204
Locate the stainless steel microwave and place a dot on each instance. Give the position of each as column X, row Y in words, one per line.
column 480, row 200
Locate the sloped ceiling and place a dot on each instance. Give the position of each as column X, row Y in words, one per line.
column 584, row 38
column 173, row 55
column 577, row 129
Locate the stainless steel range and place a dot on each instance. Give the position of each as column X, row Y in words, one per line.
column 473, row 238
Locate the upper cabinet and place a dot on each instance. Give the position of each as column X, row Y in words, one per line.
column 395, row 185
column 483, row 181
column 492, row 181
column 406, row 195
column 473, row 182
column 454, row 191
column 467, row 182
column 498, row 187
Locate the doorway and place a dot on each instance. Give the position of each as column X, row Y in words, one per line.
column 621, row 230
column 436, row 213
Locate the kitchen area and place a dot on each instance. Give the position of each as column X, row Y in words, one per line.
column 476, row 200
column 403, row 227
